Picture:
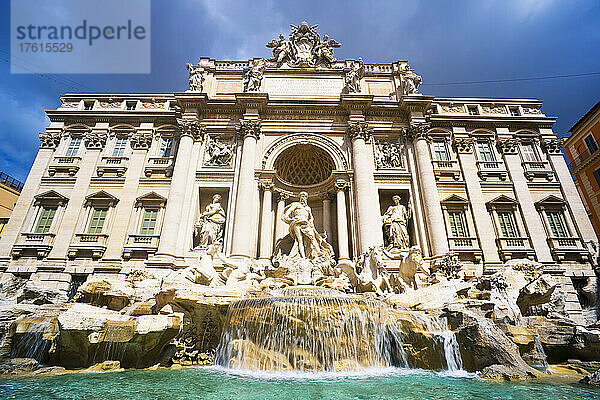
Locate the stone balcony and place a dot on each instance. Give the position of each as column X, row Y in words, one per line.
column 538, row 169
column 446, row 168
column 569, row 248
column 159, row 166
column 514, row 247
column 112, row 165
column 466, row 247
column 33, row 244
column 140, row 246
column 64, row 165
column 88, row 245
column 487, row 169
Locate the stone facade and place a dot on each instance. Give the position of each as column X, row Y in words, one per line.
column 121, row 180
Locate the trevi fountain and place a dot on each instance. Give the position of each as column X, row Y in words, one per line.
column 298, row 227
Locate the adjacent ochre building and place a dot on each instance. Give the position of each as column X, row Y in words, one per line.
column 120, row 180
column 583, row 150
column 10, row 188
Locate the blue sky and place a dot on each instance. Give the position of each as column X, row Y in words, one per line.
column 445, row 41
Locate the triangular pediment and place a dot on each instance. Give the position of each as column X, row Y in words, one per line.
column 150, row 199
column 503, row 199
column 50, row 197
column 101, row 198
column 454, row 199
column 550, row 201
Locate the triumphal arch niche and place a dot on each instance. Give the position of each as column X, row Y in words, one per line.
column 298, row 168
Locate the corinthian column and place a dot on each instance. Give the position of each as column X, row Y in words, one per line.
column 342, row 221
column 266, row 226
column 241, row 244
column 434, row 218
column 367, row 197
column 327, row 214
column 190, row 129
column 281, row 228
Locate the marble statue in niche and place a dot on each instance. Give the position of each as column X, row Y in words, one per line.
column 308, row 243
column 209, row 228
column 395, row 224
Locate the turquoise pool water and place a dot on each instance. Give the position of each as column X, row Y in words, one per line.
column 215, row 383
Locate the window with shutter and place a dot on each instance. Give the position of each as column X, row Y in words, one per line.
column 44, row 221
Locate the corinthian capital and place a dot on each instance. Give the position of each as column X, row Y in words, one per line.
column 249, row 127
column 463, row 145
column 141, row 141
column 418, row 131
column 191, row 128
column 94, row 140
column 49, row 140
column 359, row 129
column 508, row 146
column 553, row 146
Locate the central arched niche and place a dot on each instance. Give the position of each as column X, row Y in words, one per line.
column 304, row 165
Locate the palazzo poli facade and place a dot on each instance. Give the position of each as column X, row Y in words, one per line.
column 129, row 181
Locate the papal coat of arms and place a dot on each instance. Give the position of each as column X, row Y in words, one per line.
column 305, row 48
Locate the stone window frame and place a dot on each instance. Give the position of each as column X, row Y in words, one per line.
column 98, row 200
column 517, row 107
column 159, row 135
column 150, row 200
column 445, row 138
column 505, row 203
column 455, row 203
column 47, row 199
column 552, row 203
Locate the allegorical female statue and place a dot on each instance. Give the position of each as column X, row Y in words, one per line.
column 209, row 227
column 395, row 223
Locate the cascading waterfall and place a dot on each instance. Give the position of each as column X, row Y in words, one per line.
column 34, row 339
column 309, row 329
column 540, row 349
column 439, row 328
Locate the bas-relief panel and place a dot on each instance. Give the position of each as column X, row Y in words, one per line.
column 293, row 86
